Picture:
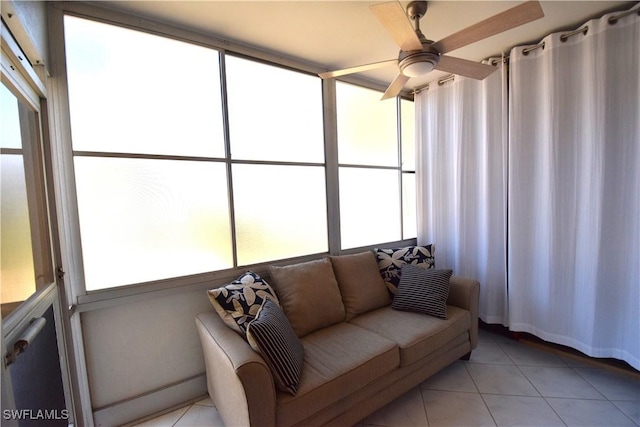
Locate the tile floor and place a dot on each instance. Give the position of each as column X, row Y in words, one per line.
column 505, row 383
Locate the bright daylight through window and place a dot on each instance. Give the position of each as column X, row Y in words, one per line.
column 25, row 247
column 18, row 274
column 151, row 165
column 372, row 209
column 280, row 209
column 408, row 144
column 134, row 96
column 172, row 181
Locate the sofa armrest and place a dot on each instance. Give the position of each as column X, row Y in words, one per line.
column 238, row 379
column 465, row 293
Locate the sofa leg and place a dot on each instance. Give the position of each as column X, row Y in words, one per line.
column 466, row 356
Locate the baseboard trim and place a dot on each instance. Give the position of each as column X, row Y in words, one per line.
column 139, row 407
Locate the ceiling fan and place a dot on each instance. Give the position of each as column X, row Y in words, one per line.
column 418, row 55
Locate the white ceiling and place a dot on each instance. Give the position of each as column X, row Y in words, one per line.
column 339, row 34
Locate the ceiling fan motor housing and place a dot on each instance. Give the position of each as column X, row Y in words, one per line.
column 414, row 63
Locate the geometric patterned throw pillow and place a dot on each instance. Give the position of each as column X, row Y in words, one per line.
column 423, row 291
column 390, row 262
column 271, row 335
column 238, row 302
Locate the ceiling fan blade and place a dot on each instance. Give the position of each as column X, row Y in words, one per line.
column 393, row 17
column 514, row 17
column 464, row 67
column 395, row 87
column 358, row 69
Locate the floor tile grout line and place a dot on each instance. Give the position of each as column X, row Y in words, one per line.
column 575, row 370
column 594, row 385
column 594, row 400
column 424, row 404
column 507, row 353
column 183, row 414
column 529, row 380
column 590, row 383
column 601, row 393
column 189, row 407
column 564, row 366
column 495, row 422
column 471, row 376
column 554, row 411
column 624, row 413
column 604, row 397
column 590, row 362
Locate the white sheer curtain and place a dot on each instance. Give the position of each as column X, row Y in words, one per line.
column 574, row 190
column 461, row 182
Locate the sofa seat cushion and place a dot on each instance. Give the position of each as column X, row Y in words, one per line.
column 338, row 361
column 416, row 334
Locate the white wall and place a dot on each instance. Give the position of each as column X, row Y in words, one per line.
column 141, row 347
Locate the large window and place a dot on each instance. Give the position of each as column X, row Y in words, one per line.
column 148, row 141
column 164, row 188
column 18, row 275
column 190, row 160
column 377, row 186
column 24, row 240
column 277, row 150
column 132, row 92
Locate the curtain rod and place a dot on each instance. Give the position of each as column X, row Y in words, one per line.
column 440, row 83
column 612, row 20
column 563, row 37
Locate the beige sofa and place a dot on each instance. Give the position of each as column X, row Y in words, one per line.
column 356, row 358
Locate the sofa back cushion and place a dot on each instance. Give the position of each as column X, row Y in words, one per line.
column 360, row 283
column 308, row 294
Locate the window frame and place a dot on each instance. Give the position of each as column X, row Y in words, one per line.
column 25, row 81
column 83, row 300
column 22, row 82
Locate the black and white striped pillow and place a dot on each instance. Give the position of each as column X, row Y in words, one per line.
column 271, row 335
column 423, row 291
column 390, row 262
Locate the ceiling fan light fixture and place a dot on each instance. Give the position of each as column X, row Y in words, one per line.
column 417, row 69
column 419, row 64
